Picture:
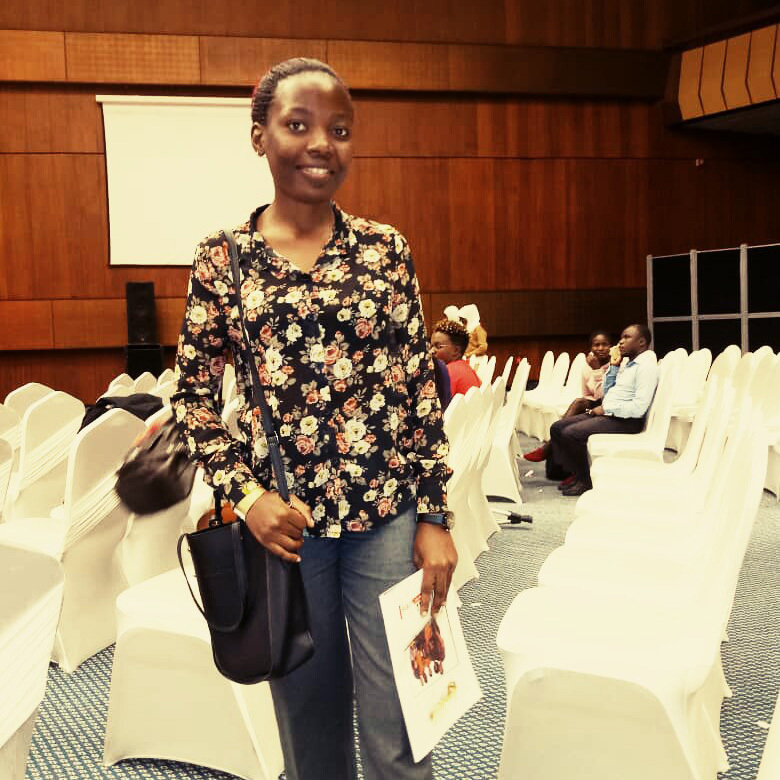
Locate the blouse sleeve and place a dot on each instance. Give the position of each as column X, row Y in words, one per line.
column 424, row 439
column 200, row 363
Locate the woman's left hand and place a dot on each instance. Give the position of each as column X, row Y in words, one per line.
column 435, row 554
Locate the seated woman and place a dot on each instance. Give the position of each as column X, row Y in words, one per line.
column 448, row 343
column 596, row 365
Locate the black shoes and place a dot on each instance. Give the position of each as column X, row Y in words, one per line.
column 576, row 489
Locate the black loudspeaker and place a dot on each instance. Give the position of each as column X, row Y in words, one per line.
column 141, row 315
column 143, row 357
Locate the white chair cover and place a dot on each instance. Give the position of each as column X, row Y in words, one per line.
column 25, row 396
column 193, row 715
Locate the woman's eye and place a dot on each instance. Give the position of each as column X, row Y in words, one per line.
column 296, row 126
column 341, row 132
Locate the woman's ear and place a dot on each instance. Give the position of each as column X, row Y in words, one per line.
column 257, row 133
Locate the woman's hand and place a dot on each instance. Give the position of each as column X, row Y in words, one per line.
column 434, row 553
column 592, row 361
column 278, row 527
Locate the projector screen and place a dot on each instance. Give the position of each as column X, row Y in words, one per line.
column 178, row 168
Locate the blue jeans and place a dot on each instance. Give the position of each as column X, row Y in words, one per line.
column 343, row 579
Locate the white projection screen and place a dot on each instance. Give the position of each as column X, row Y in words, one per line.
column 178, row 168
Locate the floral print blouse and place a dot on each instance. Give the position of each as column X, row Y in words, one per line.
column 344, row 359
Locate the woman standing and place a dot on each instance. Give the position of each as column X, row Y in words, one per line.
column 335, row 323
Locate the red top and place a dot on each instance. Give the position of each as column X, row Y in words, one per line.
column 462, row 376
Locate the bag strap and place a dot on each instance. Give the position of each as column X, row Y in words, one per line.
column 258, row 393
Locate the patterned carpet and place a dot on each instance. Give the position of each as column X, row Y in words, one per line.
column 68, row 740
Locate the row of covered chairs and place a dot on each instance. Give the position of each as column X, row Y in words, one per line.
column 613, row 662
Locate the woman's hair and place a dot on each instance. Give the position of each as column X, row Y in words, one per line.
column 265, row 89
column 599, row 333
column 458, row 334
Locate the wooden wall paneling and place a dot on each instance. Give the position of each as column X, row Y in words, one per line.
column 541, row 313
column 132, row 59
column 49, row 120
column 54, row 237
column 409, row 126
column 711, row 85
column 735, row 72
column 88, row 324
column 244, row 60
column 31, row 56
column 397, row 66
column 471, row 264
column 712, row 206
column 438, row 20
column 690, row 79
column 26, row 325
column 762, row 53
column 84, row 374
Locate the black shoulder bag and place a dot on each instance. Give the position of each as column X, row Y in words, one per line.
column 253, row 601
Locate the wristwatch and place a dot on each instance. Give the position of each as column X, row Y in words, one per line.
column 445, row 520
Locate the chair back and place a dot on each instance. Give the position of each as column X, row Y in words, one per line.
column 743, row 374
column 10, row 426
column 119, row 390
column 6, row 464
column 693, row 375
column 508, row 369
column 486, row 369
column 122, row 379
column 145, row 382
column 165, row 391
column 168, row 375
column 25, row 396
column 760, row 379
column 573, row 386
column 546, row 368
column 95, row 455
column 558, row 374
column 660, row 413
column 770, row 406
column 48, row 428
column 725, row 363
column 711, row 402
column 761, row 352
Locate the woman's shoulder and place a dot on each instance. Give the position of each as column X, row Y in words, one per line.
column 217, row 238
column 371, row 231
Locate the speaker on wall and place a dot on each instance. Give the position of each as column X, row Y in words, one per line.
column 141, row 315
column 143, row 357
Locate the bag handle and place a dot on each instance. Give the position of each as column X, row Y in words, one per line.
column 258, row 394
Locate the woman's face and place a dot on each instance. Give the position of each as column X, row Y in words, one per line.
column 443, row 348
column 600, row 347
column 307, row 137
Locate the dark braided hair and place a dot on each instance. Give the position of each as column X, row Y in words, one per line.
column 265, row 89
column 458, row 334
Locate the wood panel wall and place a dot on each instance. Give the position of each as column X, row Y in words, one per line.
column 525, row 202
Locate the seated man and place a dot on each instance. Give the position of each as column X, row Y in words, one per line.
column 629, row 386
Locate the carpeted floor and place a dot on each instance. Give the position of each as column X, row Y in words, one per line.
column 68, row 740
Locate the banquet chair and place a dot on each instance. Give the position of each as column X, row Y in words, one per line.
column 167, row 375
column 771, row 413
column 552, row 389
column 47, row 431
column 164, row 391
column 31, row 588
column 667, row 643
column 10, row 426
column 501, row 476
column 545, row 371
column 6, row 465
column 507, row 371
column 167, row 699
column 84, row 534
column 552, row 408
column 485, row 369
column 649, row 443
column 23, row 397
column 725, row 363
column 476, row 494
column 122, row 379
column 145, row 382
column 118, row 390
column 688, row 392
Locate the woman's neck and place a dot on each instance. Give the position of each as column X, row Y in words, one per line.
column 296, row 220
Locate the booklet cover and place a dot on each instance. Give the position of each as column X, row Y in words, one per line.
column 433, row 672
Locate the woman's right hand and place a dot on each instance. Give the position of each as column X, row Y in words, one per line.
column 279, row 527
column 592, row 361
